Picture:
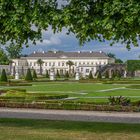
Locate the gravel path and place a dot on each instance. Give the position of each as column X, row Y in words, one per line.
column 89, row 116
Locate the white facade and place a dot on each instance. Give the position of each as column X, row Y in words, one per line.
column 84, row 61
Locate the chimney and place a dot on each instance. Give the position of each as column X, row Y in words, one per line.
column 34, row 52
column 43, row 52
column 54, row 51
column 100, row 51
column 90, row 51
column 79, row 51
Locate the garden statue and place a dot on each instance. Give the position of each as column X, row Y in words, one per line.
column 77, row 76
column 52, row 74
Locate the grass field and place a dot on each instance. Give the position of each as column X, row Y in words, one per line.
column 24, row 129
column 96, row 92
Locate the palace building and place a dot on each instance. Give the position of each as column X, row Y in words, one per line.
column 83, row 61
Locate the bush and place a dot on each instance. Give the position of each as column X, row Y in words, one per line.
column 47, row 74
column 107, row 75
column 119, row 101
column 90, row 75
column 34, row 74
column 29, row 75
column 99, row 76
column 3, row 76
column 67, row 74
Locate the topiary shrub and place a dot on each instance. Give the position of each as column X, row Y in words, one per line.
column 57, row 74
column 99, row 76
column 90, row 75
column 47, row 74
column 34, row 74
column 28, row 76
column 3, row 76
column 67, row 74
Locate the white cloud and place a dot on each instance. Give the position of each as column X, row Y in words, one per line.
column 52, row 41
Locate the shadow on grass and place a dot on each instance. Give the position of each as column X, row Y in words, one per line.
column 71, row 125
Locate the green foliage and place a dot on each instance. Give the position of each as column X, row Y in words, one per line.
column 118, row 74
column 47, row 74
column 3, row 76
column 113, row 74
column 106, row 74
column 57, row 74
column 90, row 75
column 117, row 60
column 114, row 20
column 40, row 63
column 133, row 65
column 34, row 74
column 119, row 101
column 3, row 58
column 67, row 74
column 14, row 51
column 28, row 76
column 99, row 76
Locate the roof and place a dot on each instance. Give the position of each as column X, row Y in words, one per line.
column 60, row 54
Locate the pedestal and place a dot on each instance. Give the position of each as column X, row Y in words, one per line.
column 52, row 75
column 17, row 76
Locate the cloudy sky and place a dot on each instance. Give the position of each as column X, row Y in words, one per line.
column 61, row 41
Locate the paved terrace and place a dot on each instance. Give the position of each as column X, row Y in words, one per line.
column 89, row 116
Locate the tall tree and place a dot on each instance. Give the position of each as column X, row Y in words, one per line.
column 70, row 64
column 14, row 51
column 40, row 63
column 3, row 57
column 116, row 20
column 117, row 60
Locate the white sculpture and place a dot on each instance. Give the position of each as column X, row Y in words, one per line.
column 16, row 74
column 52, row 74
column 125, row 74
column 77, row 76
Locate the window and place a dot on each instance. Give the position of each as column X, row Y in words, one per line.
column 46, row 64
column 62, row 64
column 87, row 70
column 53, row 63
column 81, row 69
column 58, row 63
column 49, row 63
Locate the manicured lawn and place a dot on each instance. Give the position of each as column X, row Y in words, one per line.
column 24, row 129
column 85, row 90
column 95, row 92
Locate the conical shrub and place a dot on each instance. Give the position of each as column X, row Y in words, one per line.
column 3, row 76
column 34, row 74
column 28, row 76
column 90, row 75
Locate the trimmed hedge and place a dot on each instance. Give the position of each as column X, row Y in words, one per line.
column 68, row 106
column 134, row 86
column 133, row 65
column 32, row 98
